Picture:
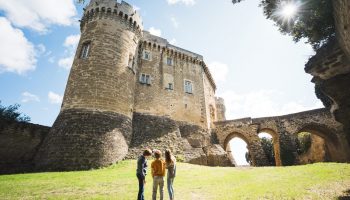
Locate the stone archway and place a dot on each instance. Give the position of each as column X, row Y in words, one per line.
column 228, row 149
column 254, row 146
column 276, row 144
column 334, row 152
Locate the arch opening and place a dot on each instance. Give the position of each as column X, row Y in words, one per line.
column 267, row 143
column 311, row 148
column 271, row 146
column 316, row 144
column 237, row 148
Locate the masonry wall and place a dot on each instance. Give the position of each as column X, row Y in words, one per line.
column 19, row 143
column 156, row 98
column 189, row 143
column 210, row 102
column 284, row 130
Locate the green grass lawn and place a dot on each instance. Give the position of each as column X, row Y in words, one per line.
column 317, row 181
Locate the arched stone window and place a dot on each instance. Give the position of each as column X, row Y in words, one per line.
column 85, row 50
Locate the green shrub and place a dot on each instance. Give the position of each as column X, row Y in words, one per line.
column 303, row 142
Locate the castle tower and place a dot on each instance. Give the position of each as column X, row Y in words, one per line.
column 220, row 109
column 94, row 127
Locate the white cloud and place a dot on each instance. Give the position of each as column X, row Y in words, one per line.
column 261, row 103
column 55, row 98
column 38, row 14
column 156, row 32
column 172, row 41
column 17, row 54
column 66, row 63
column 186, row 2
column 219, row 71
column 71, row 43
column 174, row 22
column 28, row 97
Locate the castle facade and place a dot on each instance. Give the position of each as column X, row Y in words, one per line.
column 121, row 71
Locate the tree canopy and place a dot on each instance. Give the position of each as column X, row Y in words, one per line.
column 312, row 21
column 11, row 113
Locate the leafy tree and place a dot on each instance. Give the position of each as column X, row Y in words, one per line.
column 313, row 20
column 303, row 142
column 267, row 146
column 11, row 113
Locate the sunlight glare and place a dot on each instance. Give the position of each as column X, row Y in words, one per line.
column 289, row 10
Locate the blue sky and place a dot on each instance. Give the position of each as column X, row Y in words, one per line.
column 258, row 71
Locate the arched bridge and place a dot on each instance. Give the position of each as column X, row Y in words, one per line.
column 284, row 130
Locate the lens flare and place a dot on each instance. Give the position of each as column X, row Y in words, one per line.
column 289, row 10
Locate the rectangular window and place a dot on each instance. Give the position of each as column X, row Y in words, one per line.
column 145, row 79
column 188, row 87
column 85, row 51
column 147, row 55
column 170, row 86
column 169, row 61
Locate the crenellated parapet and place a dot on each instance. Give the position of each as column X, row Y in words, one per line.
column 122, row 12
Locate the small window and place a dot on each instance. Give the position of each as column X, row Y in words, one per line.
column 85, row 50
column 131, row 61
column 147, row 55
column 145, row 79
column 170, row 86
column 169, row 61
column 188, row 87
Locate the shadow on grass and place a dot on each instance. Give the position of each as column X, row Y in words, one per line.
column 346, row 195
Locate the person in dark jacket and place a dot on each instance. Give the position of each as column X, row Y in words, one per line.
column 141, row 172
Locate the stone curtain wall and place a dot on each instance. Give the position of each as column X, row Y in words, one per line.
column 19, row 142
column 189, row 143
column 284, row 130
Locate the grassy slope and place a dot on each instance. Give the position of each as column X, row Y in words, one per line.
column 318, row 181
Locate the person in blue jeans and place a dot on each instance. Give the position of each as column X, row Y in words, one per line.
column 141, row 172
column 170, row 165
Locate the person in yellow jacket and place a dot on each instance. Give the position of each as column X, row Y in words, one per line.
column 158, row 173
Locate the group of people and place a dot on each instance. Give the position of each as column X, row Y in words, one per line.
column 158, row 168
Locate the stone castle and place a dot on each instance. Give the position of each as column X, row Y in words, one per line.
column 122, row 76
column 129, row 90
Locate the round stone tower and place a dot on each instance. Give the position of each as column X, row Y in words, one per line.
column 94, row 126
